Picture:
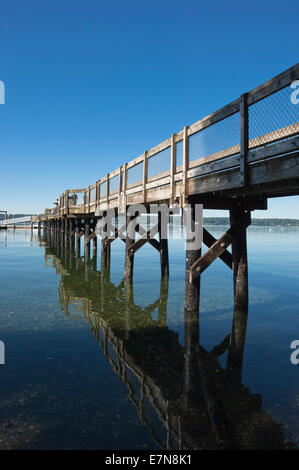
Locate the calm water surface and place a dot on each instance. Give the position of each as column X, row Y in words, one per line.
column 92, row 365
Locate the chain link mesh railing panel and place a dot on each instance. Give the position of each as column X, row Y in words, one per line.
column 103, row 189
column 114, row 183
column 216, row 141
column 159, row 162
column 92, row 194
column 135, row 174
column 179, row 153
column 273, row 118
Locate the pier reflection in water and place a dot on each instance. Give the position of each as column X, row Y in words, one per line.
column 200, row 404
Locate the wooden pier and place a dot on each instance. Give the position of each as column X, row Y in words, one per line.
column 233, row 159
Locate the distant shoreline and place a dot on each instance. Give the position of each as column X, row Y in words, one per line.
column 255, row 222
column 269, row 222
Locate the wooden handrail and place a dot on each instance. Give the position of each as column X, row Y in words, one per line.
column 262, row 91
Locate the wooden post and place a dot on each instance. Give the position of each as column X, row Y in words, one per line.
column 105, row 248
column 243, row 140
column 108, row 189
column 185, row 165
column 78, row 238
column 62, row 231
column 240, row 279
column 192, row 291
column 94, row 240
column 239, row 257
column 130, row 239
column 164, row 261
column 66, row 201
column 71, row 234
column 191, row 321
column 57, row 231
column 86, row 241
column 144, row 177
column 172, row 170
column 65, row 232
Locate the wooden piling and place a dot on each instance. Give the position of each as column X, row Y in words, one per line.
column 239, row 258
column 94, row 240
column 130, row 239
column 86, row 241
column 78, row 238
column 65, row 232
column 240, row 281
column 163, row 249
column 71, row 234
column 192, row 287
column 105, row 247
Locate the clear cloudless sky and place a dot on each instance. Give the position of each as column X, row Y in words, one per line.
column 91, row 85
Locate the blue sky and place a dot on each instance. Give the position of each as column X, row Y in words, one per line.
column 91, row 85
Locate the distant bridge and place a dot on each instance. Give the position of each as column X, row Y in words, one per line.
column 11, row 221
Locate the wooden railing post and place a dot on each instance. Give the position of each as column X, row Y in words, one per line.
column 66, row 202
column 120, row 181
column 88, row 198
column 243, row 140
column 120, row 188
column 185, row 165
column 108, row 190
column 172, row 169
column 144, row 178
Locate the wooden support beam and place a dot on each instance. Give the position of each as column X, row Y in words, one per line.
column 191, row 311
column 163, row 248
column 105, row 247
column 151, row 241
column 139, row 243
column 218, row 248
column 71, row 233
column 65, row 230
column 79, row 233
column 130, row 240
column 172, row 170
column 117, row 233
column 240, row 221
column 144, row 177
column 90, row 237
column 244, row 170
column 185, row 166
column 209, row 241
column 86, row 242
column 240, row 278
column 95, row 241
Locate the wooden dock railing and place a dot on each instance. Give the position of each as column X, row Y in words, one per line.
column 221, row 151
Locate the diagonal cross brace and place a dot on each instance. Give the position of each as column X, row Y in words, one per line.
column 145, row 237
column 217, row 249
column 90, row 237
column 209, row 241
column 117, row 233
